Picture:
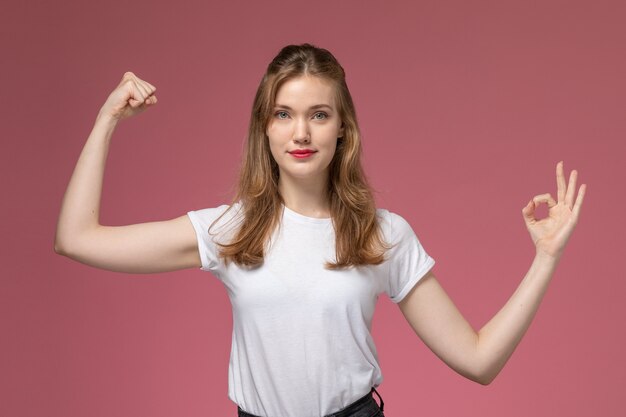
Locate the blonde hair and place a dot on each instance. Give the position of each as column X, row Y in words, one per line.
column 358, row 238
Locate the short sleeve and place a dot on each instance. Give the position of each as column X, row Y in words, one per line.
column 207, row 242
column 407, row 259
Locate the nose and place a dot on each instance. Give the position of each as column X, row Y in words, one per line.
column 301, row 132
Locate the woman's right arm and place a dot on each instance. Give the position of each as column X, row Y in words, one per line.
column 138, row 248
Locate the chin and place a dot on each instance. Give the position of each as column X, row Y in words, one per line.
column 304, row 174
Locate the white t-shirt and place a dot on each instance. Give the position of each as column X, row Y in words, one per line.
column 301, row 341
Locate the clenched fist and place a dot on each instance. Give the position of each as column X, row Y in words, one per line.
column 132, row 96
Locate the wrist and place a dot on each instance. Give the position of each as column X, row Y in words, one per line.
column 546, row 257
column 106, row 119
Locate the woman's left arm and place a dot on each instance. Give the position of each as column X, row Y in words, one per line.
column 481, row 355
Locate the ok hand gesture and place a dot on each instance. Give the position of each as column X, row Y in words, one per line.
column 550, row 235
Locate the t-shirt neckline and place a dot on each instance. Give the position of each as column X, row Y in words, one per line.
column 305, row 219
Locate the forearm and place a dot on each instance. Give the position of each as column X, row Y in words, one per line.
column 500, row 336
column 80, row 209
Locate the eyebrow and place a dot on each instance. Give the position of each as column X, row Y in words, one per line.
column 317, row 106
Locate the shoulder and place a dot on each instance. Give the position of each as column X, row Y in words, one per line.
column 214, row 211
column 392, row 224
column 221, row 215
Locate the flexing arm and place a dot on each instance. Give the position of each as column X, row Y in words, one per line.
column 138, row 248
column 481, row 355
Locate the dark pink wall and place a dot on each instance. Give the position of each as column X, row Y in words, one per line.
column 465, row 108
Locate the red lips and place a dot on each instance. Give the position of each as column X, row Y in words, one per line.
column 302, row 151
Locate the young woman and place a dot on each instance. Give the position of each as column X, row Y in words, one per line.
column 304, row 253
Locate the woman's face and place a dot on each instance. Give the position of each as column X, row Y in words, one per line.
column 304, row 128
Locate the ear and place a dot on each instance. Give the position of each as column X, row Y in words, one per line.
column 341, row 131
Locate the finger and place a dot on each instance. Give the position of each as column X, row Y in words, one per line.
column 529, row 212
column 127, row 76
column 142, row 88
column 544, row 198
column 147, row 87
column 137, row 97
column 153, row 88
column 136, row 86
column 151, row 100
column 560, row 182
column 571, row 189
column 579, row 201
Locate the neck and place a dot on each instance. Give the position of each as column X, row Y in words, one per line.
column 308, row 197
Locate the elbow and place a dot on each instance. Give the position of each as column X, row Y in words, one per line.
column 72, row 242
column 73, row 245
column 59, row 248
column 480, row 372
column 486, row 367
column 485, row 379
column 485, row 376
column 65, row 243
column 482, row 379
column 59, row 242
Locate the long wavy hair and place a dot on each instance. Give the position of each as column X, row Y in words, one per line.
column 358, row 237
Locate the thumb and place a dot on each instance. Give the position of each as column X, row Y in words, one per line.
column 134, row 103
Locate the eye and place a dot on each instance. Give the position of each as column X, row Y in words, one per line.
column 320, row 115
column 281, row 114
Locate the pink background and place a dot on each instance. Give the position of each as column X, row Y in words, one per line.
column 465, row 108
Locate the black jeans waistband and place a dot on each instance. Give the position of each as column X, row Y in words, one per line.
column 345, row 412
